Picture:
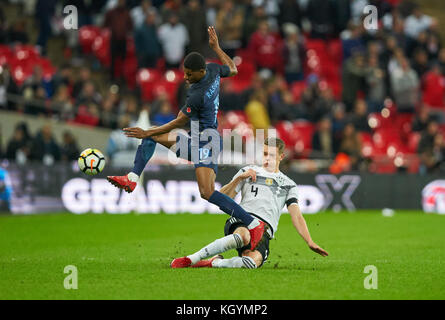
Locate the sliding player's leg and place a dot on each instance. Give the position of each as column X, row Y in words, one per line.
column 143, row 154
column 205, row 176
column 236, row 237
column 232, row 241
column 247, row 258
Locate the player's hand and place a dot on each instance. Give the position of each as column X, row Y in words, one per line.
column 249, row 174
column 316, row 248
column 136, row 132
column 213, row 38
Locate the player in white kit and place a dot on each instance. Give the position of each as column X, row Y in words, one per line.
column 264, row 192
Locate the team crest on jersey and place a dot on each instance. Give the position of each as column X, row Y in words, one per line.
column 189, row 110
column 269, row 181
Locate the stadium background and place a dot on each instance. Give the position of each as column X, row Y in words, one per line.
column 346, row 100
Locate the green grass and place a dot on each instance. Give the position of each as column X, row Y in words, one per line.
column 128, row 257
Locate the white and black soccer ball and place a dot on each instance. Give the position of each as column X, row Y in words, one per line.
column 91, row 161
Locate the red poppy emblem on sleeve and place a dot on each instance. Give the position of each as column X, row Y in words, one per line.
column 189, row 110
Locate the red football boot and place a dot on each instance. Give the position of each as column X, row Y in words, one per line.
column 122, row 182
column 256, row 234
column 183, row 262
column 207, row 263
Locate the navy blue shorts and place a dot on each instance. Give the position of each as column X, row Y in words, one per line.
column 206, row 155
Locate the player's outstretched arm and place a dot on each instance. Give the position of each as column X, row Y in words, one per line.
column 180, row 121
column 223, row 57
column 230, row 188
column 301, row 226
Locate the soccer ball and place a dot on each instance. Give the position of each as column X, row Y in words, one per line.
column 91, row 161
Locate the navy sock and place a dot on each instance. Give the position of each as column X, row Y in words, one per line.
column 143, row 154
column 229, row 206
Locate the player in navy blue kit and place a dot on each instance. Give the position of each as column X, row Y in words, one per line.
column 203, row 143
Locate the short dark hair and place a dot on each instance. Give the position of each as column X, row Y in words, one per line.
column 275, row 142
column 194, row 61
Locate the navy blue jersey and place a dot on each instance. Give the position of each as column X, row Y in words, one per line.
column 202, row 101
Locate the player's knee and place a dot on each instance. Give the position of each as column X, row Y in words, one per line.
column 206, row 192
column 245, row 235
column 255, row 256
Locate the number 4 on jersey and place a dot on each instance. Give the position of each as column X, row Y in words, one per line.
column 254, row 190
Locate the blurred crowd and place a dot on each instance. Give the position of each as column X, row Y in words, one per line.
column 402, row 62
column 23, row 147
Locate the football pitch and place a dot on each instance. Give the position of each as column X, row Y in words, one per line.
column 128, row 257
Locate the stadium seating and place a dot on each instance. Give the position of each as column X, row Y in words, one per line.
column 297, row 89
column 391, row 135
column 87, row 36
column 22, row 59
column 169, row 84
column 101, row 47
column 297, row 135
column 146, row 79
column 246, row 71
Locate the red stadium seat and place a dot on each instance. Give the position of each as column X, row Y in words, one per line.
column 25, row 52
column 285, row 133
column 48, row 69
column 131, row 47
column 235, row 121
column 403, row 123
column 367, row 145
column 20, row 73
column 297, row 89
column 433, row 92
column 296, row 135
column 245, row 55
column 174, row 75
column 330, row 71
column 146, row 79
column 335, row 50
column 246, row 70
column 413, row 141
column 239, row 86
column 319, row 46
column 167, row 87
column 87, row 35
column 5, row 48
column 336, row 87
column 231, row 119
column 313, row 63
column 382, row 138
column 377, row 121
column 130, row 71
column 304, row 130
column 101, row 47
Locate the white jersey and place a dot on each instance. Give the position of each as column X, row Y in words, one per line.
column 266, row 196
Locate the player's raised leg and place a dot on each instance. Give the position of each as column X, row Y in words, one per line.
column 143, row 154
column 206, row 182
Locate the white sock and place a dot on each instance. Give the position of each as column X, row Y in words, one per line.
column 133, row 177
column 253, row 224
column 232, row 241
column 235, row 262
